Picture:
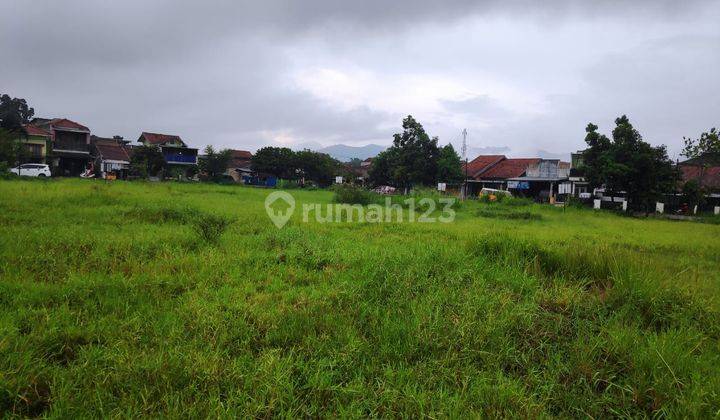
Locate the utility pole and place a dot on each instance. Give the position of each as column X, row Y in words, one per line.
column 464, row 155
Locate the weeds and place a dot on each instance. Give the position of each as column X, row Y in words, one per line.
column 116, row 308
column 210, row 227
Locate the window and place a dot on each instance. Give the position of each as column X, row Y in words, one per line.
column 35, row 149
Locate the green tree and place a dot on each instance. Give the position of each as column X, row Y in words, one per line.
column 278, row 161
column 215, row 163
column 411, row 160
column 627, row 163
column 147, row 160
column 318, row 167
column 449, row 165
column 14, row 113
column 692, row 193
column 706, row 146
column 381, row 170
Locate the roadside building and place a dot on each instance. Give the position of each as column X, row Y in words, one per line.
column 239, row 168
column 704, row 169
column 112, row 156
column 543, row 180
column 495, row 171
column 579, row 187
column 37, row 142
column 70, row 144
column 180, row 159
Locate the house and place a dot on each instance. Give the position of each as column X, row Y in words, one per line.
column 239, row 167
column 578, row 184
column 112, row 156
column 364, row 170
column 542, row 180
column 180, row 159
column 70, row 143
column 704, row 169
column 494, row 171
column 37, row 142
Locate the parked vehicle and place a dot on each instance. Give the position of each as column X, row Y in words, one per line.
column 32, row 169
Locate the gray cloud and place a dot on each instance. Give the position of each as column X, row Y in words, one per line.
column 223, row 72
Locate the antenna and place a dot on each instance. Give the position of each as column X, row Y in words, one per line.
column 464, row 155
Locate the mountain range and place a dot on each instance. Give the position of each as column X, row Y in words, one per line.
column 345, row 153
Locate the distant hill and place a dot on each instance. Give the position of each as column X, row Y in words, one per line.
column 344, row 152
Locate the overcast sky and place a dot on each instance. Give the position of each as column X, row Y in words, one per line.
column 522, row 75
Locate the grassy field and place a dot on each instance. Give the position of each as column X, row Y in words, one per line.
column 131, row 299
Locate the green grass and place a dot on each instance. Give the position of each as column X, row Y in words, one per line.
column 184, row 300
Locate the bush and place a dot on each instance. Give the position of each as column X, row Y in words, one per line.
column 574, row 202
column 350, row 194
column 210, row 227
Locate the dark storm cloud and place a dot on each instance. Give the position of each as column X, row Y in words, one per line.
column 222, row 72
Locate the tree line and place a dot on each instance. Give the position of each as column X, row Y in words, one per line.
column 626, row 163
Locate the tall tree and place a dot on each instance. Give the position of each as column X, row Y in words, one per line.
column 215, row 163
column 14, row 113
column 707, row 146
column 318, row 167
column 627, row 163
column 449, row 165
column 278, row 161
column 147, row 160
column 411, row 160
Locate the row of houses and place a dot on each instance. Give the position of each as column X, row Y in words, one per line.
column 70, row 149
column 550, row 180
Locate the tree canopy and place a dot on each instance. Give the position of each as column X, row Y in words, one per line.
column 302, row 165
column 14, row 112
column 627, row 163
column 415, row 159
column 147, row 160
column 706, row 146
column 215, row 163
column 449, row 165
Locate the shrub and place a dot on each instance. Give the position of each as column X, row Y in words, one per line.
column 210, row 227
column 350, row 194
column 574, row 202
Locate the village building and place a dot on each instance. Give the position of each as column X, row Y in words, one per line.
column 112, row 156
column 494, row 171
column 37, row 143
column 705, row 170
column 70, row 144
column 239, row 167
column 180, row 159
column 543, row 180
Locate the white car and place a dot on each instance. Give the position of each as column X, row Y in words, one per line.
column 32, row 169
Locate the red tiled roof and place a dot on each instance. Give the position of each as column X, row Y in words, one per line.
column 508, row 168
column 110, row 151
column 65, row 123
column 31, row 130
column 482, row 163
column 155, row 138
column 240, row 154
column 710, row 175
